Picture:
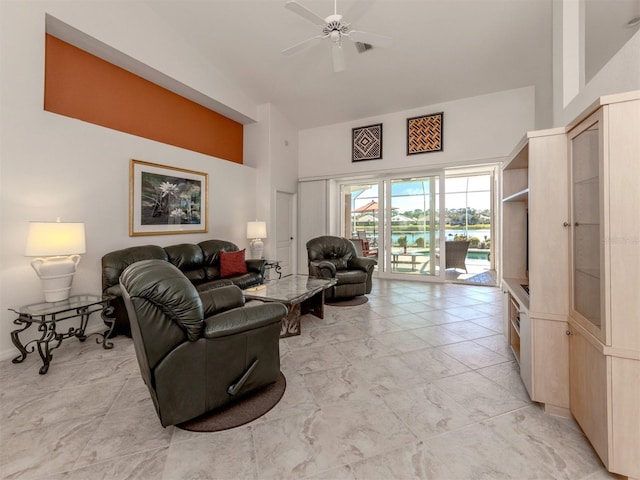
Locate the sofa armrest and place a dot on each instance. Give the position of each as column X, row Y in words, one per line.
column 243, row 319
column 322, row 269
column 220, row 299
column 256, row 265
column 114, row 290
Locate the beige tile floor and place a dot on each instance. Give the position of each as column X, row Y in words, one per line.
column 416, row 384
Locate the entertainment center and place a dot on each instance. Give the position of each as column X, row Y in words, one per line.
column 571, row 236
column 535, row 258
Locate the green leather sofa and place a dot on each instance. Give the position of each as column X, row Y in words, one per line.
column 199, row 262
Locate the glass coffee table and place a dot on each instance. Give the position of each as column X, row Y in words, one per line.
column 301, row 294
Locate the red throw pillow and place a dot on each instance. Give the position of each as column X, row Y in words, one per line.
column 232, row 263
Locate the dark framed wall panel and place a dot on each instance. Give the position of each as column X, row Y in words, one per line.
column 424, row 133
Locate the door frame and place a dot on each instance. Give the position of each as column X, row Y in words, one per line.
column 386, row 238
column 293, row 216
column 384, row 223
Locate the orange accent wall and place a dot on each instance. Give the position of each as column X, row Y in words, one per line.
column 83, row 86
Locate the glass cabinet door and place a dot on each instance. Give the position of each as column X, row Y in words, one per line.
column 586, row 205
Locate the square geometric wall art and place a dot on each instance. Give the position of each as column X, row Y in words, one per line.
column 424, row 134
column 367, row 143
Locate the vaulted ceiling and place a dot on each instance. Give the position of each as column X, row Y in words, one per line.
column 442, row 50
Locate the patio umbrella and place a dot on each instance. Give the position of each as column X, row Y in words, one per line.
column 370, row 207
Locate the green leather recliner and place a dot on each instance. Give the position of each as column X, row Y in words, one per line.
column 198, row 351
column 336, row 257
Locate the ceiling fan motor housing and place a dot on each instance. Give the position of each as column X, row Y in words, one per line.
column 334, row 24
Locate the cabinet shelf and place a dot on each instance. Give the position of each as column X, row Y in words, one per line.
column 590, row 272
column 521, row 196
column 515, row 322
column 587, row 181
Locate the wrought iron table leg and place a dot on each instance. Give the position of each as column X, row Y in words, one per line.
column 111, row 322
column 15, row 338
column 84, row 320
column 48, row 335
column 278, row 270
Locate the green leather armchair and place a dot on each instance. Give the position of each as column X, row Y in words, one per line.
column 336, row 257
column 197, row 351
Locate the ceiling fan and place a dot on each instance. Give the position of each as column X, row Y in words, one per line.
column 334, row 28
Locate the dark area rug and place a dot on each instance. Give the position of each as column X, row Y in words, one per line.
column 348, row 302
column 243, row 411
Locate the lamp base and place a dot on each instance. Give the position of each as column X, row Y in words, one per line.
column 257, row 248
column 56, row 274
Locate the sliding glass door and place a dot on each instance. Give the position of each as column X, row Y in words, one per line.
column 469, row 221
column 436, row 226
column 361, row 214
column 398, row 221
column 413, row 226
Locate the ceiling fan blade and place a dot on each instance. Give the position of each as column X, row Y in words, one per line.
column 358, row 9
column 370, row 38
column 305, row 44
column 304, row 12
column 337, row 54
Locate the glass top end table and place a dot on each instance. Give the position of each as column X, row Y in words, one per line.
column 47, row 314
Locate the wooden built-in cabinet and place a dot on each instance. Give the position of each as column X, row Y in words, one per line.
column 604, row 291
column 535, row 217
column 571, row 235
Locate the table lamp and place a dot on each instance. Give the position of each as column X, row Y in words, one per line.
column 58, row 246
column 256, row 231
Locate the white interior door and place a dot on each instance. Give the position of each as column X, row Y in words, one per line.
column 284, row 231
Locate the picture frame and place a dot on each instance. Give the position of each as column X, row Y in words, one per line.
column 166, row 200
column 424, row 133
column 366, row 143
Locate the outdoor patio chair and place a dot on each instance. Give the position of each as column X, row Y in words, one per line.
column 457, row 254
column 363, row 249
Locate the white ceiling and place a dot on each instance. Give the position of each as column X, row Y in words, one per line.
column 442, row 50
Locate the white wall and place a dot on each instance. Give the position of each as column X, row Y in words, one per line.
column 620, row 74
column 53, row 166
column 271, row 145
column 571, row 96
column 477, row 129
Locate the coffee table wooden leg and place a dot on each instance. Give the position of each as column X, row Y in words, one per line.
column 314, row 305
column 291, row 323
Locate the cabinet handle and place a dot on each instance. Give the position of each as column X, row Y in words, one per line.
column 568, row 333
column 566, row 224
column 577, row 224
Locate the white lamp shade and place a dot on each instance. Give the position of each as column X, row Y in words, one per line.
column 48, row 239
column 256, row 230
